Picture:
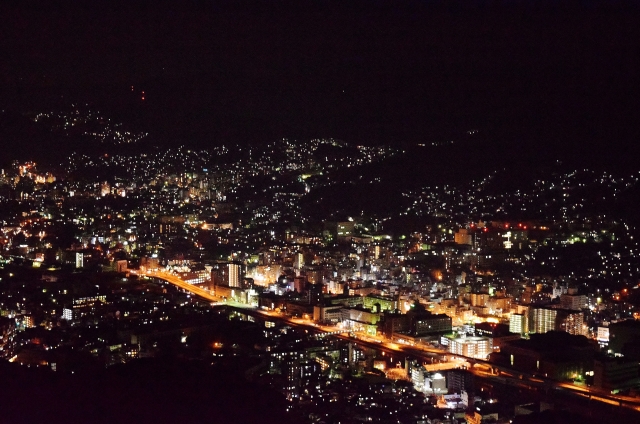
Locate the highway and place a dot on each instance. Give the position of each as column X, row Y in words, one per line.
column 482, row 369
column 170, row 278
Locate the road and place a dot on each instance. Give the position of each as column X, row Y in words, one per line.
column 481, row 369
column 170, row 278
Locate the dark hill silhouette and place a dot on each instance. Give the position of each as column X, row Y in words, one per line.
column 143, row 391
column 22, row 139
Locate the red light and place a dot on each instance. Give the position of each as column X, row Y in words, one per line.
column 485, row 230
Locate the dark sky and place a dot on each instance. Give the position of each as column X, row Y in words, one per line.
column 368, row 72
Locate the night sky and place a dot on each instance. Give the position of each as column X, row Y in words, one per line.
column 366, row 72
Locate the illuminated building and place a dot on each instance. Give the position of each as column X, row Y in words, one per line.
column 573, row 323
column 548, row 319
column 264, row 275
column 150, row 263
column 418, row 377
column 67, row 314
column 382, row 303
column 334, row 287
column 425, row 381
column 603, row 335
column 462, row 236
column 82, row 306
column 473, row 347
column 543, row 319
column 7, row 336
column 194, row 277
column 436, row 383
column 79, row 259
column 293, row 378
column 499, row 304
column 333, row 313
column 28, row 321
column 423, row 322
column 519, row 323
column 479, row 299
column 363, row 315
column 498, row 333
column 105, row 189
column 233, row 275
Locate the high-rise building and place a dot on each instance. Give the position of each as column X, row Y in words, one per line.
column 519, row 323
column 545, row 319
column 573, row 323
column 234, row 275
column 79, row 259
column 227, row 274
column 315, row 294
column 574, row 302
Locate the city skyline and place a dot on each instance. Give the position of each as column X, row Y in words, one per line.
column 319, row 212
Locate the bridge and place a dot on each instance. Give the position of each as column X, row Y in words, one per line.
column 176, row 281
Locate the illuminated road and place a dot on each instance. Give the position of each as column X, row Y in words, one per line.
column 482, row 369
column 504, row 375
column 170, row 278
